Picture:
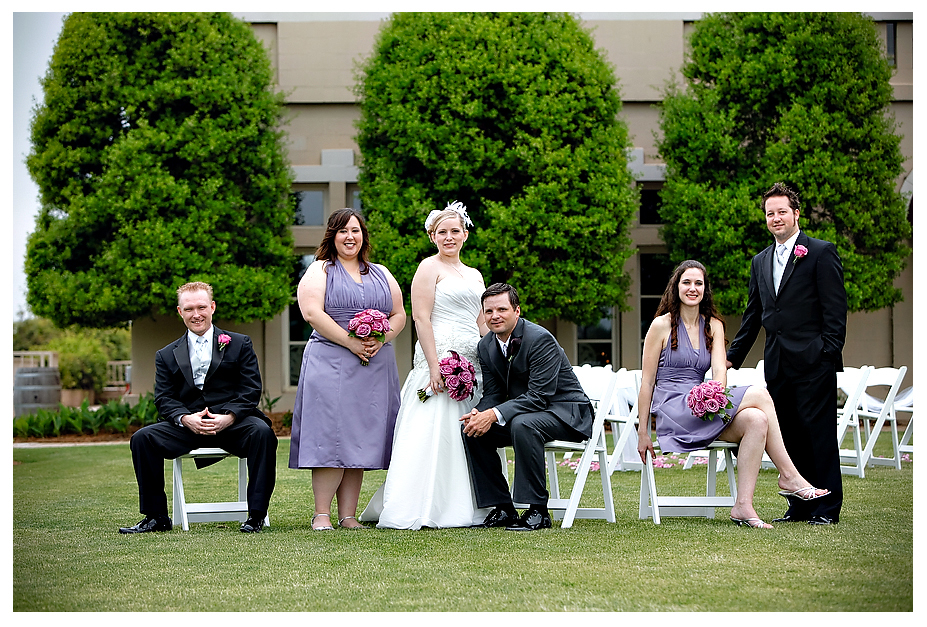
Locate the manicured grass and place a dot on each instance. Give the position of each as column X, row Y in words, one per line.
column 67, row 555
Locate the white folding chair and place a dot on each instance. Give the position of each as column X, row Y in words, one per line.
column 589, row 378
column 852, row 381
column 654, row 506
column 595, row 448
column 623, row 422
column 881, row 412
column 184, row 513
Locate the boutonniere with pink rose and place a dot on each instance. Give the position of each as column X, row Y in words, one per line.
column 223, row 341
column 800, row 252
column 514, row 345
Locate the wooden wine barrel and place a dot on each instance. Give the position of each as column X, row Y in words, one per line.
column 34, row 389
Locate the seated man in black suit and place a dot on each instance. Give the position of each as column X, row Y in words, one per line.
column 207, row 387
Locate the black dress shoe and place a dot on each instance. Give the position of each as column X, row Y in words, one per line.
column 500, row 517
column 532, row 520
column 254, row 524
column 789, row 518
column 821, row 520
column 150, row 523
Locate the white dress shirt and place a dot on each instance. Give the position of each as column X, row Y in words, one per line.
column 782, row 258
column 200, row 364
column 505, row 353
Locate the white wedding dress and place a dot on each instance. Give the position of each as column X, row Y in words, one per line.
column 428, row 483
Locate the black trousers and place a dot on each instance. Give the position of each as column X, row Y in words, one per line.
column 806, row 403
column 249, row 437
column 527, row 434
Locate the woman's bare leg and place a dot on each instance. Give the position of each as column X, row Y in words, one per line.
column 748, row 429
column 348, row 495
column 789, row 477
column 325, row 483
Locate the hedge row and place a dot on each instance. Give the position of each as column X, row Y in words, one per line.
column 113, row 417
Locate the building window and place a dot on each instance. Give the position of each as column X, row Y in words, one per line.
column 299, row 330
column 891, row 40
column 594, row 342
column 354, row 199
column 308, row 206
column 650, row 204
column 655, row 270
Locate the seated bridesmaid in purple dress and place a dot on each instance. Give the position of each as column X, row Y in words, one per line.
column 348, row 394
column 685, row 339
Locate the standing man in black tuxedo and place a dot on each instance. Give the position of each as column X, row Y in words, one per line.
column 207, row 387
column 797, row 295
column 530, row 396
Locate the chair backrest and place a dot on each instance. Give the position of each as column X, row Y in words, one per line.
column 890, row 377
column 627, row 388
column 905, row 399
column 608, row 400
column 594, row 380
column 742, row 377
column 853, row 382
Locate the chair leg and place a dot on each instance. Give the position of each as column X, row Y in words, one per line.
column 617, row 460
column 607, row 496
column 552, row 474
column 731, row 477
column 648, row 495
column 905, row 446
column 179, row 499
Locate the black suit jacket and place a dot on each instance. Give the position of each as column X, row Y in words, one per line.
column 232, row 385
column 806, row 322
column 537, row 377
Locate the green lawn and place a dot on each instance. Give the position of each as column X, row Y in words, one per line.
column 68, row 556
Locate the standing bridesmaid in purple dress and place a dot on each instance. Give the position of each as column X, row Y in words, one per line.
column 685, row 339
column 348, row 394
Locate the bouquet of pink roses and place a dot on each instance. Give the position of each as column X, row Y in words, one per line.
column 459, row 376
column 369, row 323
column 708, row 400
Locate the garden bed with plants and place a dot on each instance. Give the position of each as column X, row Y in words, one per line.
column 113, row 422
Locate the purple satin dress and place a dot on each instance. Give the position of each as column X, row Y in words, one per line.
column 345, row 413
column 678, row 430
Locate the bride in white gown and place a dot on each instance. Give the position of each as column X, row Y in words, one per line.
column 428, row 483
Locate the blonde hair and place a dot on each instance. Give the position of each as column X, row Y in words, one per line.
column 442, row 216
column 195, row 286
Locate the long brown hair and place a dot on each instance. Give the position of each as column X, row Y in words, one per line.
column 670, row 303
column 337, row 221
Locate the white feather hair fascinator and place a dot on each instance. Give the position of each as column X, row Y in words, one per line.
column 456, row 206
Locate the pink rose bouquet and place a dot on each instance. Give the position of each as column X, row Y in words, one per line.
column 459, row 376
column 223, row 341
column 709, row 400
column 369, row 323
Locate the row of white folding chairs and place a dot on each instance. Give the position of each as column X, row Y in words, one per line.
column 622, row 419
column 865, row 412
column 860, row 410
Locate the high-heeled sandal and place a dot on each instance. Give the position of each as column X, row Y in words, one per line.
column 801, row 493
column 755, row 523
column 327, row 527
column 341, row 522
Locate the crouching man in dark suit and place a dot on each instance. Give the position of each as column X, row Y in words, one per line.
column 530, row 396
column 207, row 387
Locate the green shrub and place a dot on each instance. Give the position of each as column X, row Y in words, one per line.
column 113, row 417
column 81, row 361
